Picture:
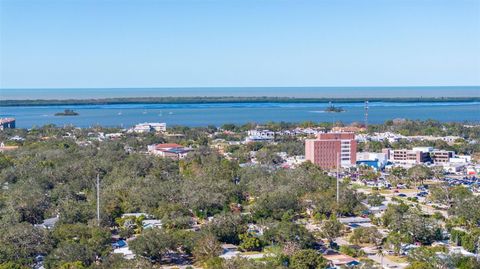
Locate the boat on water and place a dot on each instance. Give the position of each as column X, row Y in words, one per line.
column 334, row 109
column 67, row 112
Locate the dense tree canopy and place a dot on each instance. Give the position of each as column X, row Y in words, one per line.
column 53, row 173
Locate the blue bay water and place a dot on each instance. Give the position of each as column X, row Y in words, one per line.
column 127, row 115
column 217, row 114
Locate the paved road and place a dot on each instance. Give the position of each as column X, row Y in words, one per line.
column 372, row 254
column 386, row 263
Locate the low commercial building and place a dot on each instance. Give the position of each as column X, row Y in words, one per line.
column 348, row 129
column 449, row 139
column 7, row 123
column 441, row 156
column 407, row 156
column 372, row 159
column 473, row 170
column 419, row 155
column 461, row 159
column 149, row 127
column 310, row 131
column 390, row 137
column 453, row 167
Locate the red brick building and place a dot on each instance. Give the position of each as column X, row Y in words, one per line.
column 326, row 150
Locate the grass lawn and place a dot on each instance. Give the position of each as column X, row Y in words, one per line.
column 357, row 186
column 397, row 259
column 251, row 252
column 408, row 191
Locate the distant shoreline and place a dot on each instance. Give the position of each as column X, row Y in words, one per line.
column 226, row 99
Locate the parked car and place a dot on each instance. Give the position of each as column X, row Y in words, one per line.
column 422, row 194
column 119, row 244
column 333, row 245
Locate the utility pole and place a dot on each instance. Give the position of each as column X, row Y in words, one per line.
column 333, row 116
column 366, row 115
column 338, row 177
column 98, row 199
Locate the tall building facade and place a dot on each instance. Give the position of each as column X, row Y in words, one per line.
column 330, row 149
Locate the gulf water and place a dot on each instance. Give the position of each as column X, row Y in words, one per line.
column 239, row 113
column 126, row 115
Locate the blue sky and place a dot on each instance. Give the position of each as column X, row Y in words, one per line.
column 185, row 43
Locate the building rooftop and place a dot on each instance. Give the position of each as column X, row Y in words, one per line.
column 339, row 259
column 48, row 223
column 167, row 146
column 6, row 120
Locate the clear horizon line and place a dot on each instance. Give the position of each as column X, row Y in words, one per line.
column 232, row 87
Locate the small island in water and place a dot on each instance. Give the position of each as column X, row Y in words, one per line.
column 67, row 112
column 332, row 108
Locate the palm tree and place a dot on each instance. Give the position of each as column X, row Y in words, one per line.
column 381, row 253
column 394, row 240
column 419, row 173
column 379, row 244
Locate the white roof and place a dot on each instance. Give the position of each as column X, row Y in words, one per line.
column 127, row 253
column 134, row 215
column 354, row 220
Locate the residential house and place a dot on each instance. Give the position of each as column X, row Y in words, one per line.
column 152, row 223
column 169, row 150
column 337, row 260
column 229, row 251
column 48, row 223
column 260, row 136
